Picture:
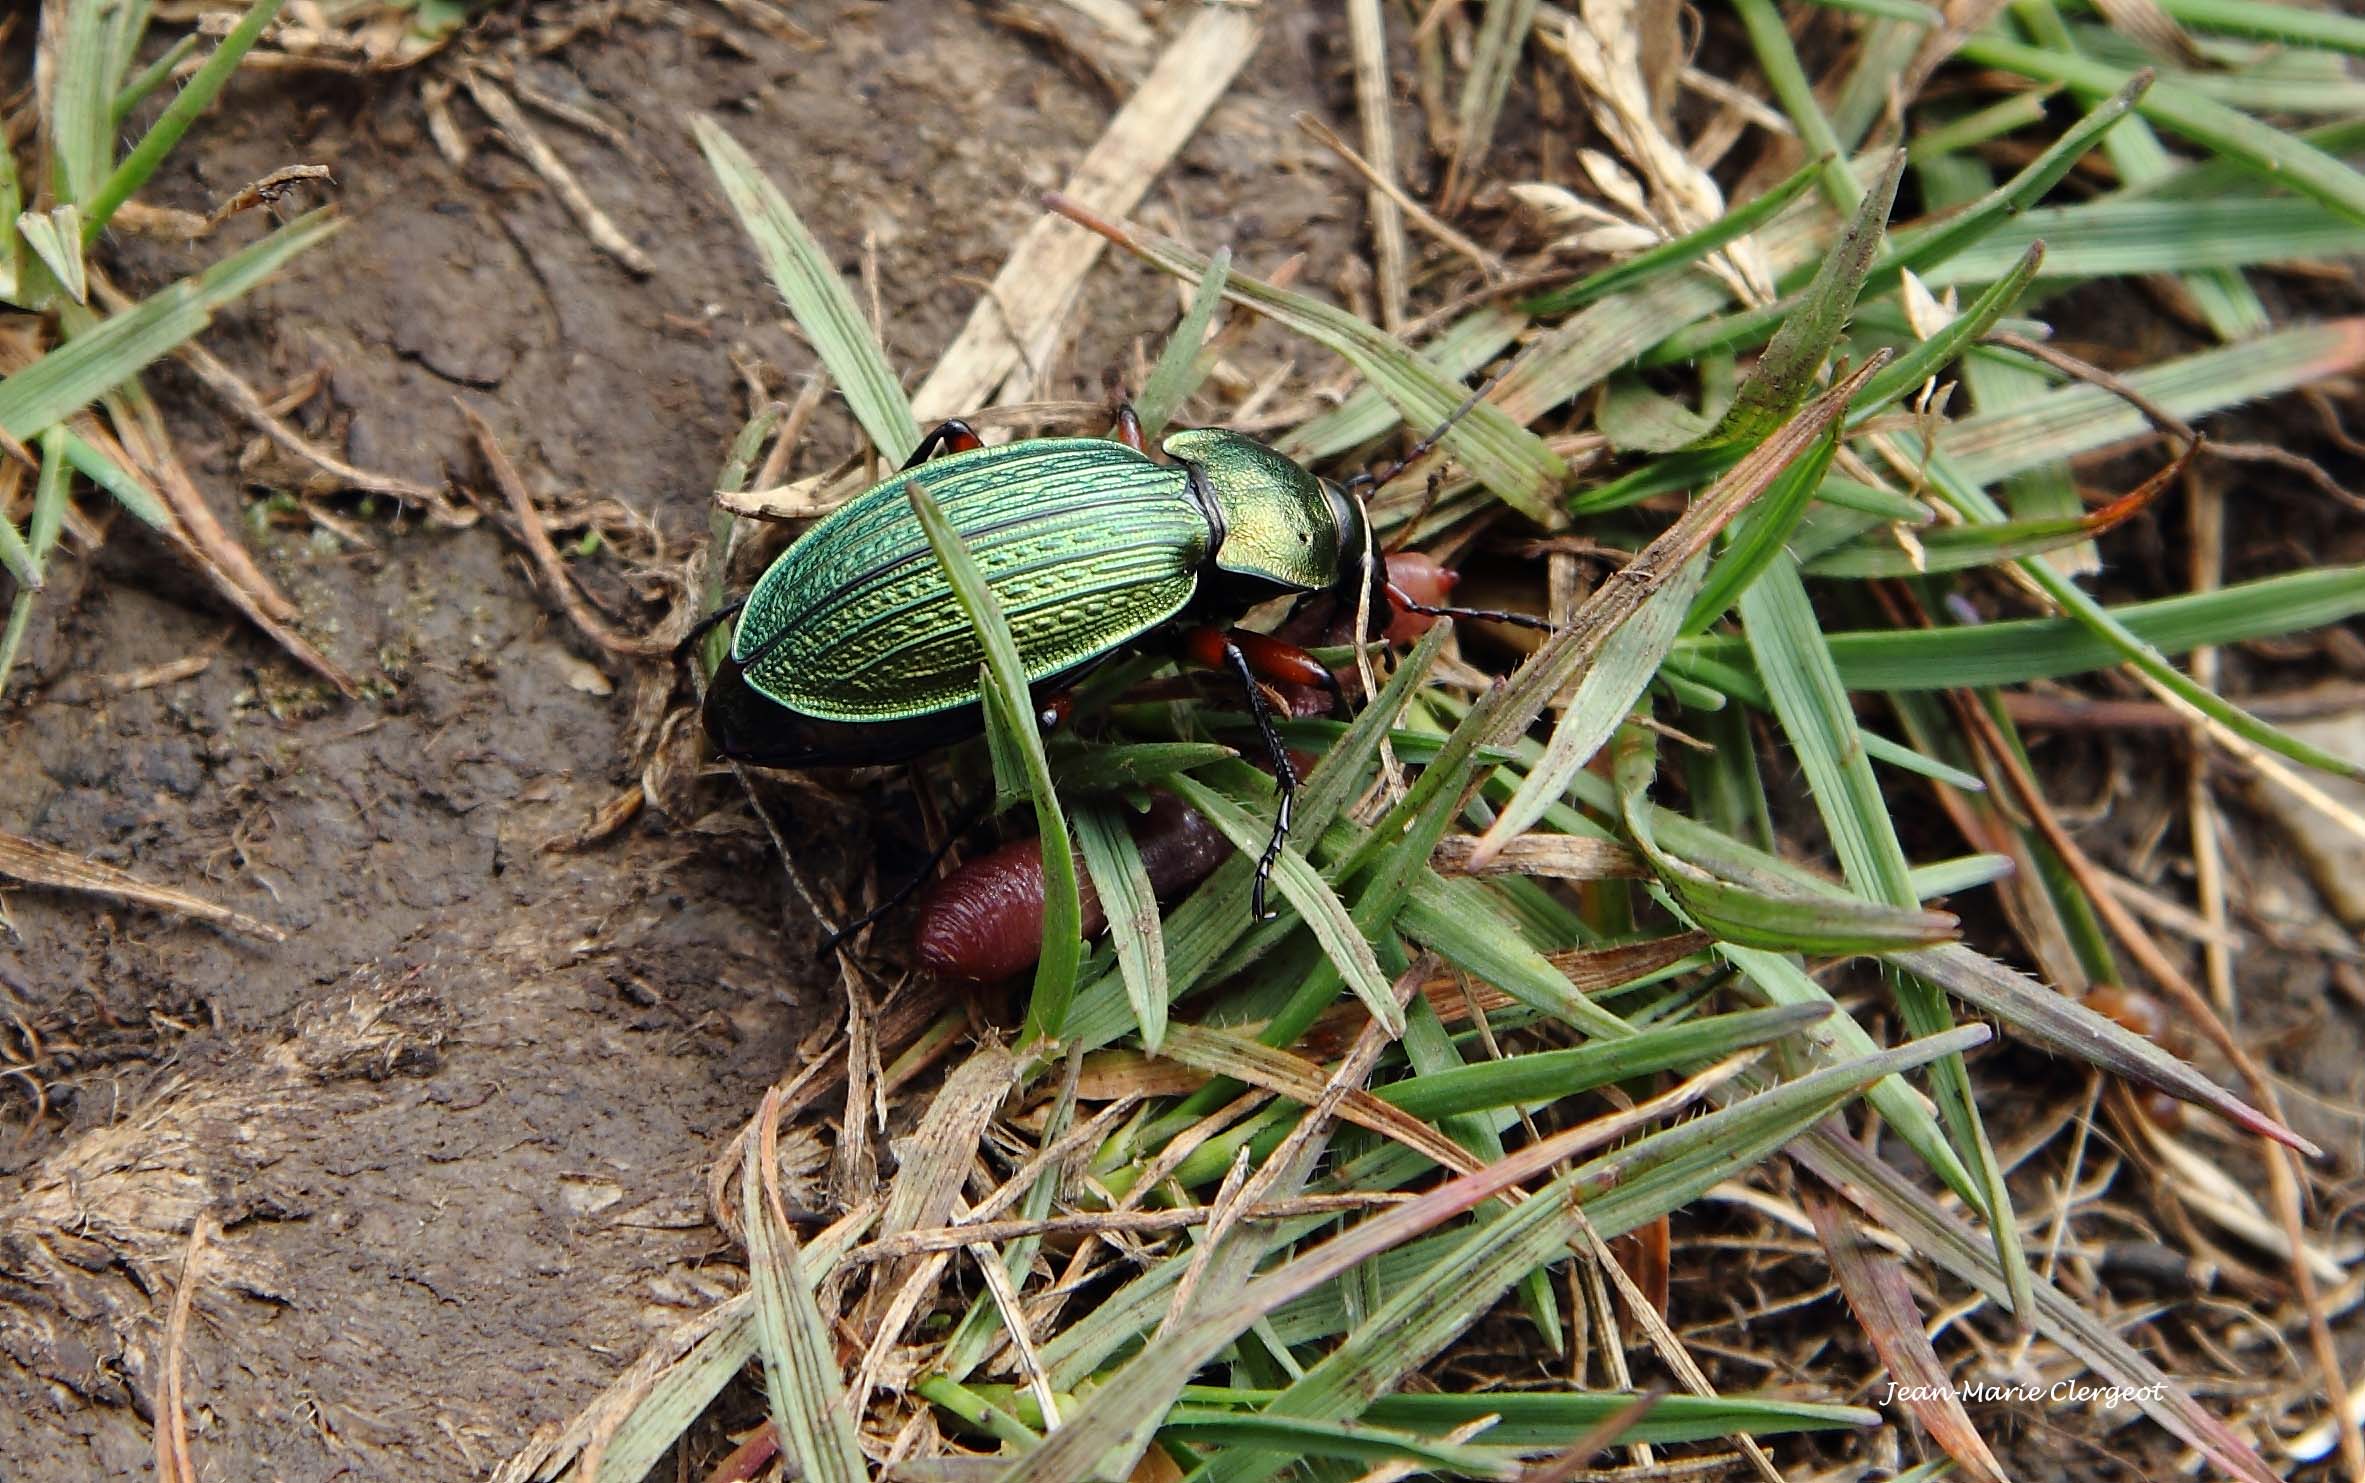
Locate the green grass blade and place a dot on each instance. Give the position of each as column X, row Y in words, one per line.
column 1922, row 246
column 2018, row 650
column 77, row 373
column 816, row 295
column 1813, row 707
column 1317, row 905
column 2081, row 606
column 1469, row 343
column 1542, row 1077
column 77, row 113
column 1614, row 680
column 56, row 239
column 2126, row 238
column 1925, row 247
column 1838, row 1038
column 1114, row 862
column 1063, row 916
column 2007, row 115
column 1754, row 912
column 1679, row 253
column 1924, row 360
column 2065, row 1025
column 2293, row 25
column 1769, row 37
column 808, row 1403
column 1954, row 548
column 194, row 98
column 1176, row 375
column 16, row 555
column 1785, row 375
column 2080, row 418
column 2273, row 154
column 1308, row 1438
column 1117, row 769
column 1762, row 534
column 101, row 468
column 1510, row 461
column 149, row 79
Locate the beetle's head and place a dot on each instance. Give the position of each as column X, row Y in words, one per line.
column 1277, row 524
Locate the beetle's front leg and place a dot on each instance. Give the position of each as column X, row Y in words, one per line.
column 949, row 436
column 1248, row 656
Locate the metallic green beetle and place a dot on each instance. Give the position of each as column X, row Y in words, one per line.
column 852, row 649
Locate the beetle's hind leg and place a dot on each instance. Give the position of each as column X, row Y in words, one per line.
column 1249, row 656
column 1128, row 429
column 949, row 436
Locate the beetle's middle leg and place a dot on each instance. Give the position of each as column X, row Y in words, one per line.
column 1128, row 429
column 1249, row 657
column 949, row 436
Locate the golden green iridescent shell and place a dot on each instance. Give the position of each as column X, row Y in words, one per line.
column 1278, row 524
column 1086, row 543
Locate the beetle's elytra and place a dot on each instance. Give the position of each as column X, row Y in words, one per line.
column 852, row 648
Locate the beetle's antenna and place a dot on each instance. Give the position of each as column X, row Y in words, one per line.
column 1428, row 502
column 705, row 626
column 1420, row 450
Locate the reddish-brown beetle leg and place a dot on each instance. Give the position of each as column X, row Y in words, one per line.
column 951, row 436
column 1128, row 429
column 1215, row 648
column 1284, row 663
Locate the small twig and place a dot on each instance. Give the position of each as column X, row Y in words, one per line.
column 268, row 191
column 38, row 864
column 249, row 404
column 546, row 557
column 538, row 155
column 173, row 1461
column 582, row 118
column 1392, row 256
column 792, row 432
column 1420, row 216
column 2165, row 419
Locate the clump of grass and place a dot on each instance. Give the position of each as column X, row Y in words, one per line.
column 1441, row 1085
column 71, row 405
